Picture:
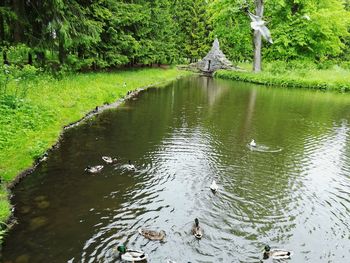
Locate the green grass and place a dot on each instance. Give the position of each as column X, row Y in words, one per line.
column 32, row 127
column 294, row 75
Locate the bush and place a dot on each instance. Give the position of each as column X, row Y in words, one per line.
column 15, row 81
column 328, row 64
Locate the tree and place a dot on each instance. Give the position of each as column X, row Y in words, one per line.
column 259, row 11
column 311, row 29
column 191, row 18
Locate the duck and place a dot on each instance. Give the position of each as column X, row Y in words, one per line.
column 131, row 255
column 94, row 169
column 109, row 160
column 276, row 253
column 130, row 166
column 197, row 230
column 253, row 143
column 214, row 187
column 152, row 235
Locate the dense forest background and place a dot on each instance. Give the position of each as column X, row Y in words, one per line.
column 98, row 34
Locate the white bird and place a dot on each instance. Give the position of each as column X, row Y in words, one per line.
column 109, row 160
column 307, row 17
column 253, row 143
column 214, row 187
column 259, row 25
column 278, row 254
column 130, row 166
column 94, row 169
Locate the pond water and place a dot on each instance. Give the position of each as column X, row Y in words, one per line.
column 294, row 195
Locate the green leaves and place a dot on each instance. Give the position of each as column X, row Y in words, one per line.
column 300, row 28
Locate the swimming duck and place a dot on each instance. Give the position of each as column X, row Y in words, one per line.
column 94, row 169
column 214, row 187
column 109, row 160
column 196, row 229
column 131, row 255
column 130, row 166
column 276, row 254
column 253, row 143
column 152, row 235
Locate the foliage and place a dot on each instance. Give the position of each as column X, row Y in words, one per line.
column 193, row 28
column 303, row 74
column 15, row 83
column 82, row 35
column 310, row 29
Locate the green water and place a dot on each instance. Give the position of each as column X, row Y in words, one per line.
column 291, row 191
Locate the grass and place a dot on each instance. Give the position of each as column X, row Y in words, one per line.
column 30, row 128
column 297, row 74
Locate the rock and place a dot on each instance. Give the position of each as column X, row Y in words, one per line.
column 37, row 222
column 214, row 60
column 22, row 259
column 43, row 204
column 40, row 198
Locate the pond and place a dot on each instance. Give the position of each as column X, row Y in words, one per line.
column 290, row 191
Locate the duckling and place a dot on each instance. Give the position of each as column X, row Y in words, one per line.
column 153, row 235
column 94, row 169
column 253, row 143
column 214, row 187
column 276, row 254
column 196, row 229
column 109, row 160
column 130, row 166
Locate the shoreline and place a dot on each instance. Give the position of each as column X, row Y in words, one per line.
column 8, row 219
column 268, row 79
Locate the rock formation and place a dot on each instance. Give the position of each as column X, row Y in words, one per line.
column 214, row 60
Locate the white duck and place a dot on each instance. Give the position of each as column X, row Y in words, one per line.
column 130, row 166
column 276, row 253
column 94, row 169
column 131, row 255
column 214, row 187
column 253, row 143
column 108, row 159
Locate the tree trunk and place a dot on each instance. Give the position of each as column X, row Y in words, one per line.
column 2, row 30
column 4, row 57
column 30, row 58
column 18, row 7
column 61, row 52
column 40, row 57
column 80, row 52
column 259, row 11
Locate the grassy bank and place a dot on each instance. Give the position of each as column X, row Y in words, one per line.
column 294, row 75
column 34, row 124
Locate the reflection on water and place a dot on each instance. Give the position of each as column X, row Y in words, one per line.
column 180, row 139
